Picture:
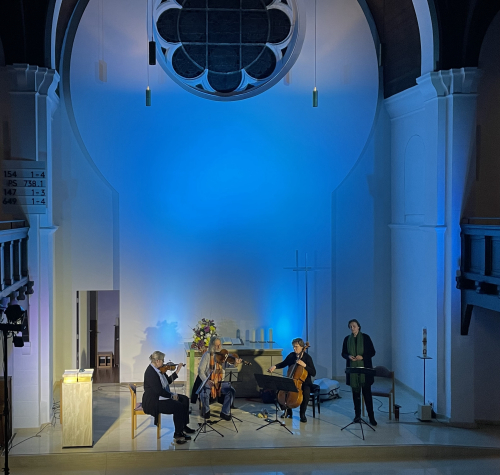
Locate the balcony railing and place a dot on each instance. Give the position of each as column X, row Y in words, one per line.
column 479, row 279
column 14, row 260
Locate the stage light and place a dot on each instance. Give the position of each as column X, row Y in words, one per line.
column 15, row 313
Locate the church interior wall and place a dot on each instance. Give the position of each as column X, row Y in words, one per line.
column 485, row 328
column 83, row 210
column 215, row 198
column 414, row 250
column 483, row 195
column 361, row 259
column 483, row 200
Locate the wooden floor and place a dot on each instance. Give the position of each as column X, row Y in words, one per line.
column 107, row 375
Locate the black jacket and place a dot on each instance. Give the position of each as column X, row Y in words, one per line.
column 153, row 390
column 306, row 358
column 368, row 354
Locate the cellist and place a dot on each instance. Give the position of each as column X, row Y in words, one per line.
column 214, row 386
column 306, row 362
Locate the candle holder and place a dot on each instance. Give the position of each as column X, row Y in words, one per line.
column 424, row 410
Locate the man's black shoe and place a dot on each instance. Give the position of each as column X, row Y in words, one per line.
column 187, row 437
column 373, row 422
column 188, row 430
column 179, row 439
column 206, row 415
column 226, row 417
column 357, row 419
column 303, row 419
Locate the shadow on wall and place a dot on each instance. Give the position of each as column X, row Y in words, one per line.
column 164, row 337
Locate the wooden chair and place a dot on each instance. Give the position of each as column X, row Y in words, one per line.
column 315, row 398
column 384, row 387
column 136, row 410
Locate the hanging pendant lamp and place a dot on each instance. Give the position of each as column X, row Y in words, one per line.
column 315, row 90
column 151, row 49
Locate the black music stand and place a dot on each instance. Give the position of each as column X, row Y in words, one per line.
column 275, row 383
column 206, row 422
column 367, row 371
column 228, row 378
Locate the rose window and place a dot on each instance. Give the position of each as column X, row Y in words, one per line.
column 227, row 49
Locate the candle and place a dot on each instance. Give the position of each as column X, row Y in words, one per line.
column 270, row 335
column 262, row 335
column 424, row 341
column 253, row 336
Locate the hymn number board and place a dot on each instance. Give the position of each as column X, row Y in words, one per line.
column 25, row 186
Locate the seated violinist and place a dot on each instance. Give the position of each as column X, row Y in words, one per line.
column 159, row 399
column 300, row 357
column 209, row 366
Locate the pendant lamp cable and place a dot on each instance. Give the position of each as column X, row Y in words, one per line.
column 315, row 90
column 147, row 39
column 148, row 91
column 101, row 49
column 315, row 43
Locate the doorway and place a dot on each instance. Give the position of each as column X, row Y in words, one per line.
column 98, row 333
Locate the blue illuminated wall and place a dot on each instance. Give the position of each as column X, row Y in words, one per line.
column 215, row 198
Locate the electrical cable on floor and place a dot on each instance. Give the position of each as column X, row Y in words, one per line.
column 55, row 417
column 33, row 436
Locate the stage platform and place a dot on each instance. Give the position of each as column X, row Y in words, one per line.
column 319, row 442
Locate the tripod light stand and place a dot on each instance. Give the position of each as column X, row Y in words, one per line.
column 12, row 323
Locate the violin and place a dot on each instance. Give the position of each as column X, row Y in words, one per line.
column 216, row 376
column 298, row 374
column 169, row 367
column 223, row 356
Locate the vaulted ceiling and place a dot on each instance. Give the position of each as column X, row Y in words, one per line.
column 26, row 25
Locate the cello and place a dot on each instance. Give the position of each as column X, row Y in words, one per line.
column 298, row 374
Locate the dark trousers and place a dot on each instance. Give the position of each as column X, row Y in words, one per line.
column 356, row 397
column 306, row 393
column 179, row 409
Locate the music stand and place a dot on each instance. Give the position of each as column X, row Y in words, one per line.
column 361, row 421
column 206, row 422
column 275, row 383
column 228, row 378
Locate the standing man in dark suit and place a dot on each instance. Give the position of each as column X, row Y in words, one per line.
column 159, row 399
column 358, row 352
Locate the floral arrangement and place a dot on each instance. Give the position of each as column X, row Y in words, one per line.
column 202, row 333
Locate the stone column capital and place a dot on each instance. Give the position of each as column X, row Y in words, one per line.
column 445, row 83
column 26, row 78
